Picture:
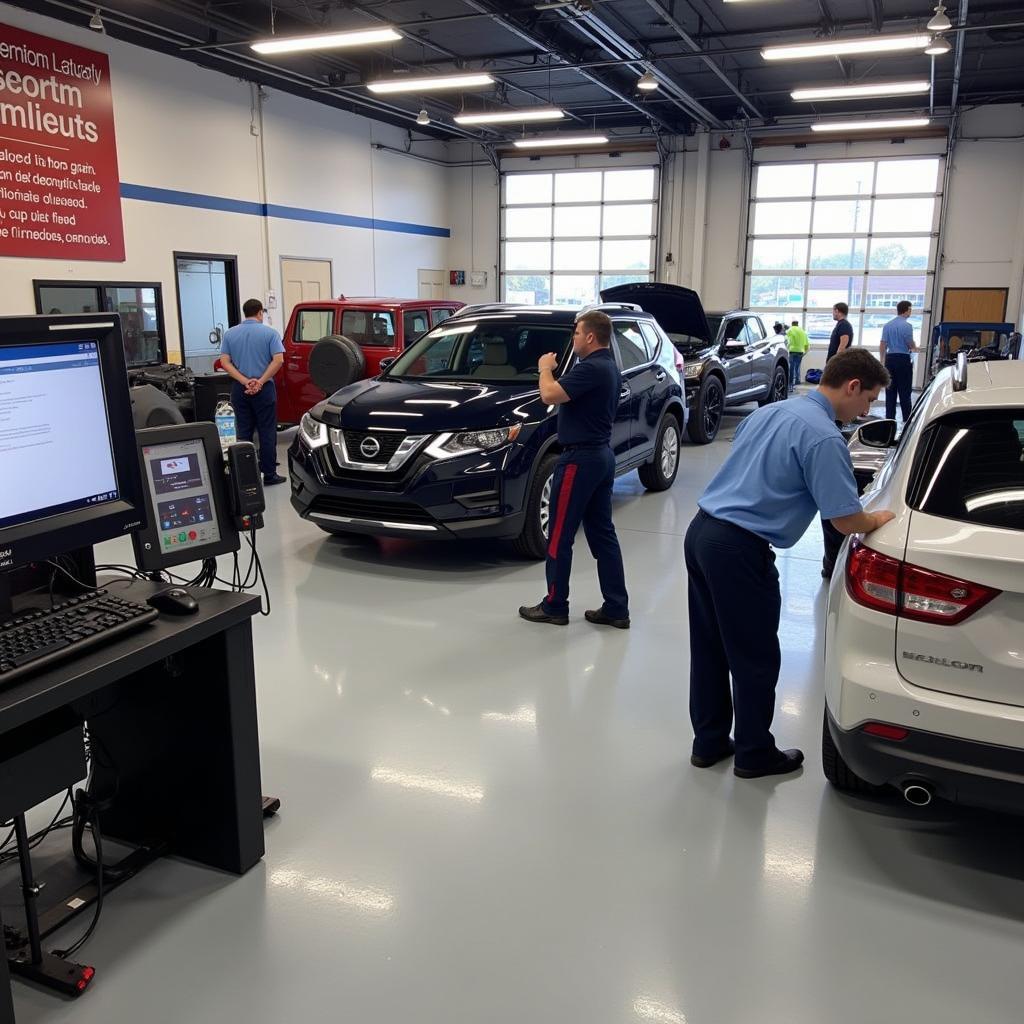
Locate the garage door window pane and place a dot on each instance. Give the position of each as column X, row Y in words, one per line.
column 903, row 176
column 885, row 292
column 577, row 221
column 624, row 185
column 781, row 292
column 835, row 216
column 827, row 290
column 904, row 214
column 578, row 187
column 634, row 254
column 629, row 220
column 529, row 290
column 611, row 280
column 843, row 179
column 527, row 255
column 526, row 189
column 871, row 332
column 577, row 255
column 781, row 180
column 782, row 218
column 838, row 253
column 779, row 254
column 899, row 254
column 574, row 289
column 528, row 222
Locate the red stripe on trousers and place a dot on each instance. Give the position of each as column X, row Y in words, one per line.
column 564, row 494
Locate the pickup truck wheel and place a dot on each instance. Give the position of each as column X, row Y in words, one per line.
column 778, row 390
column 837, row 771
column 336, row 362
column 532, row 543
column 706, row 414
column 660, row 473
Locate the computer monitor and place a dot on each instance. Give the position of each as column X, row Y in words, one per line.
column 69, row 476
column 188, row 512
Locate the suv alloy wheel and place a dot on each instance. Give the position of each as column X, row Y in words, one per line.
column 532, row 543
column 706, row 415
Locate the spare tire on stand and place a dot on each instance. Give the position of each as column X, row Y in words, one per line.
column 336, row 362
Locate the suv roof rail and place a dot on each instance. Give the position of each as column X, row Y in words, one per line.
column 601, row 307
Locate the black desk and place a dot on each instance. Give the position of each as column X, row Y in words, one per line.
column 174, row 706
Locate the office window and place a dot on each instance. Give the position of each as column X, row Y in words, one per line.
column 855, row 231
column 567, row 235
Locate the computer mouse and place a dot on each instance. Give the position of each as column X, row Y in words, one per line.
column 174, row 601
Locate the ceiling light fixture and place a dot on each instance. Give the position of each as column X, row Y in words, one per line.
column 869, row 126
column 648, row 82
column 512, row 116
column 939, row 46
column 423, row 118
column 328, row 41
column 846, row 47
column 96, row 22
column 430, row 84
column 940, row 21
column 554, row 141
column 844, row 92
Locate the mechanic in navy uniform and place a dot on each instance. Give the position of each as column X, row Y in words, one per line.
column 788, row 462
column 581, row 491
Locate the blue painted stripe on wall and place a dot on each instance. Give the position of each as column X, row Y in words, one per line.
column 199, row 201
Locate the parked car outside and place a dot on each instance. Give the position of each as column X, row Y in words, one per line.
column 730, row 357
column 924, row 675
column 452, row 440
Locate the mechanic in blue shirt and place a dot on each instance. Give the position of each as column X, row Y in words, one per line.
column 252, row 352
column 581, row 489
column 897, row 345
column 788, row 462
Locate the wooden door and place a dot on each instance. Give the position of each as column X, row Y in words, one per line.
column 974, row 305
column 303, row 280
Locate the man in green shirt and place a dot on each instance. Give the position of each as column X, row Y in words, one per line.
column 799, row 343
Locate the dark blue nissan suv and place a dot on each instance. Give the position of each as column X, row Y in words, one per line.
column 452, row 439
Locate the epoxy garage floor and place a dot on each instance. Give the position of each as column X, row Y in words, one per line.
column 488, row 822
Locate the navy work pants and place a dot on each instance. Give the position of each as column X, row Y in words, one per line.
column 581, row 492
column 735, row 605
column 258, row 414
column 901, row 369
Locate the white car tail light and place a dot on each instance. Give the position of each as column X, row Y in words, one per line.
column 899, row 588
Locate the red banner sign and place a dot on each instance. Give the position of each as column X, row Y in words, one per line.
column 59, row 186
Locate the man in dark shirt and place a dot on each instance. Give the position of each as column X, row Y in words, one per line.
column 842, row 333
column 581, row 490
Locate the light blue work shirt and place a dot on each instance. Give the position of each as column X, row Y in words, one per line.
column 250, row 346
column 788, row 462
column 898, row 336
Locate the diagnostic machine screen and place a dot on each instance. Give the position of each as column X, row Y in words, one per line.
column 55, row 451
column 179, row 486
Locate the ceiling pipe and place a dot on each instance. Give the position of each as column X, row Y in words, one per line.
column 958, row 62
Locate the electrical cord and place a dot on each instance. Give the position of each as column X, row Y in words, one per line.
column 92, row 817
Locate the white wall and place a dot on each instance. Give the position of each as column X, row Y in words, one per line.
column 184, row 128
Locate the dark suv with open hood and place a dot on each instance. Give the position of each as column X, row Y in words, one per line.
column 452, row 439
column 730, row 358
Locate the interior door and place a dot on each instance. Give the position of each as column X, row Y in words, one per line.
column 431, row 284
column 303, row 280
column 974, row 305
column 207, row 306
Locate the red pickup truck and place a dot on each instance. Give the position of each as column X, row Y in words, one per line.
column 333, row 343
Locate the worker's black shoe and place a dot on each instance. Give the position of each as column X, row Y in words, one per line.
column 599, row 618
column 537, row 614
column 788, row 761
column 274, row 478
column 709, row 762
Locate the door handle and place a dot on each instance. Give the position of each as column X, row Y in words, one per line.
column 660, row 376
column 624, row 393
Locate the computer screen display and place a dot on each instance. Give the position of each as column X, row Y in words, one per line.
column 56, row 450
column 182, row 496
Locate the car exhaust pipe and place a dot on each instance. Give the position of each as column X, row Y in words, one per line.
column 917, row 793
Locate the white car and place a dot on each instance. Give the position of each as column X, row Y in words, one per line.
column 924, row 649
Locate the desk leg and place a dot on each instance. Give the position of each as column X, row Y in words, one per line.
column 184, row 741
column 6, row 1003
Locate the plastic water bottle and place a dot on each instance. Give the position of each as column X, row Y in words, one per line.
column 224, row 417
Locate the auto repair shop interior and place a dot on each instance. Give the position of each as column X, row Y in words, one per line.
column 468, row 817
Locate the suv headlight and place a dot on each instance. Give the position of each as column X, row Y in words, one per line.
column 692, row 370
column 312, row 432
column 466, row 442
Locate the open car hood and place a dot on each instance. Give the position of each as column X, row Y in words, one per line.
column 678, row 310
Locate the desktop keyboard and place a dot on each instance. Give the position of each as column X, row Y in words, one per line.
column 36, row 639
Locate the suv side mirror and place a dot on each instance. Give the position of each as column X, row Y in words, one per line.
column 386, row 363
column 734, row 346
column 876, row 434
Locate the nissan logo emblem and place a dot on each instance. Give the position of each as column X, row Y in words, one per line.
column 370, row 447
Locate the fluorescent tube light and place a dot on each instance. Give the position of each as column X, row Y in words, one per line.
column 512, row 116
column 328, row 41
column 846, row 47
column 430, row 84
column 843, row 92
column 554, row 141
column 865, row 126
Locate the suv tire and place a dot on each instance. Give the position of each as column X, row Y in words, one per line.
column 336, row 362
column 660, row 473
column 706, row 414
column 778, row 388
column 837, row 771
column 532, row 543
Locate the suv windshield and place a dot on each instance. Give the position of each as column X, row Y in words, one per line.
column 487, row 350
